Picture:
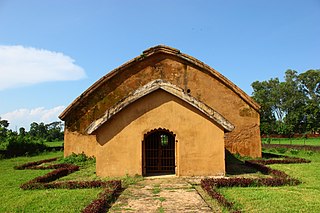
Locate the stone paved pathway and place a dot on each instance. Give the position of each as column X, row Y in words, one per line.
column 160, row 195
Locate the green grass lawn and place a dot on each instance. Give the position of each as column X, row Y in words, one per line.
column 294, row 141
column 302, row 198
column 13, row 199
column 54, row 144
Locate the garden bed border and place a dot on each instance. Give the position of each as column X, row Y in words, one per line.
column 279, row 178
column 105, row 198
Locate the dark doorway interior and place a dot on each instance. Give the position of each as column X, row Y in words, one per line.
column 159, row 153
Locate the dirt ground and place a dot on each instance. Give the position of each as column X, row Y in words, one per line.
column 162, row 195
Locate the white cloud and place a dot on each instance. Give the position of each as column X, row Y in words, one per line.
column 24, row 117
column 20, row 66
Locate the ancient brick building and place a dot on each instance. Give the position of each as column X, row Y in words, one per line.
column 163, row 112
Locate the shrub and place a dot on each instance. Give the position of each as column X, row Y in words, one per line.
column 294, row 151
column 78, row 159
column 18, row 146
column 281, row 150
column 309, row 153
column 268, row 140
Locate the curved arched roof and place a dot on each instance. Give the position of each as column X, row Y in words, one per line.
column 149, row 53
column 170, row 88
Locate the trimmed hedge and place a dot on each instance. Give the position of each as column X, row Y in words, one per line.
column 104, row 199
column 34, row 163
column 19, row 146
column 37, row 183
column 206, row 184
column 249, row 182
column 111, row 188
column 53, row 166
column 287, row 160
column 289, row 146
column 265, row 169
column 72, row 185
column 279, row 178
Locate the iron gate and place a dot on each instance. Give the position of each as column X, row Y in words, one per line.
column 159, row 153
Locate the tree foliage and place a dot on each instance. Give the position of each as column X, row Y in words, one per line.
column 38, row 132
column 48, row 132
column 28, row 143
column 289, row 106
column 3, row 128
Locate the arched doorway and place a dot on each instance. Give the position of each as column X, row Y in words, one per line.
column 159, row 152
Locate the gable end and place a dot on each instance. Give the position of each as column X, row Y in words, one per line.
column 170, row 88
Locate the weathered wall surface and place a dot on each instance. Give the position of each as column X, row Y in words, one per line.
column 244, row 139
column 199, row 146
column 78, row 143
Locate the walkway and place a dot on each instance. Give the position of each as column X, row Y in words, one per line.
column 160, row 195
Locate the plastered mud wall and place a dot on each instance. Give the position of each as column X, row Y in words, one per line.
column 199, row 141
column 192, row 76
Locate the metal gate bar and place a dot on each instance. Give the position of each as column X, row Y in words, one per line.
column 159, row 157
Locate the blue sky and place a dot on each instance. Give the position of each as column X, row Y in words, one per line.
column 51, row 51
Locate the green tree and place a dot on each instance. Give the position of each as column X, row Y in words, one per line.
column 49, row 132
column 289, row 106
column 38, row 131
column 22, row 131
column 4, row 124
column 310, row 86
column 33, row 132
column 294, row 103
column 54, row 131
column 267, row 94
